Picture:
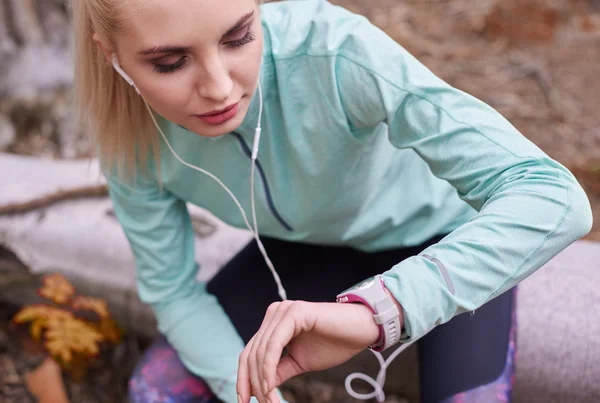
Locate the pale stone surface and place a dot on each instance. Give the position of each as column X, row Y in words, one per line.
column 83, row 237
column 559, row 328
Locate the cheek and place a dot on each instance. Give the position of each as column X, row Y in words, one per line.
column 168, row 96
column 245, row 76
column 246, row 70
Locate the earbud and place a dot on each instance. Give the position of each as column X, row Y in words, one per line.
column 117, row 66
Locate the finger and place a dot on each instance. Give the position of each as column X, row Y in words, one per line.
column 288, row 368
column 288, row 328
column 264, row 343
column 274, row 396
column 243, row 386
column 253, row 368
column 255, row 388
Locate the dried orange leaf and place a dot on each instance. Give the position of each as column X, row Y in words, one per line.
column 97, row 305
column 35, row 312
column 57, row 288
column 37, row 326
column 110, row 330
column 30, row 313
column 68, row 335
column 39, row 315
column 59, row 350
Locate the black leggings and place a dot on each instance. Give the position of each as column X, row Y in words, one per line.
column 471, row 352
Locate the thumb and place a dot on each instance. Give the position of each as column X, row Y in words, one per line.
column 288, row 368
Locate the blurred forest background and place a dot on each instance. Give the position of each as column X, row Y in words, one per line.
column 535, row 61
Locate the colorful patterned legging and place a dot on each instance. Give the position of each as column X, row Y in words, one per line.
column 469, row 359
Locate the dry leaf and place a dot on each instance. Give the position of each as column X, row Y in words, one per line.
column 38, row 315
column 57, row 288
column 36, row 328
column 66, row 336
column 71, row 340
column 39, row 311
column 96, row 305
column 30, row 313
column 110, row 330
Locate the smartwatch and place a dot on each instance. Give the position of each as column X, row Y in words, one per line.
column 372, row 293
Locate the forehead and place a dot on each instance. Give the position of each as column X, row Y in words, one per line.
column 152, row 22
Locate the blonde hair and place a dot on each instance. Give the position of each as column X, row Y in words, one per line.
column 123, row 133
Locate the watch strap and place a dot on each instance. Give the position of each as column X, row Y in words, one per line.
column 384, row 308
column 388, row 317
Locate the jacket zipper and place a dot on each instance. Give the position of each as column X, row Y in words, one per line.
column 274, row 211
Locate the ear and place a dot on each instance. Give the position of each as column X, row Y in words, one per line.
column 96, row 39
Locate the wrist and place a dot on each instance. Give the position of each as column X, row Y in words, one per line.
column 372, row 330
column 386, row 312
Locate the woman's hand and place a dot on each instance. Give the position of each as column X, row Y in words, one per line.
column 317, row 336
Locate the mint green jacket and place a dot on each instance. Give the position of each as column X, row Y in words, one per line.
column 362, row 146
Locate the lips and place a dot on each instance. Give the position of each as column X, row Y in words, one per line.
column 219, row 117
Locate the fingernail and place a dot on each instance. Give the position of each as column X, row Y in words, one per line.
column 239, row 399
column 265, row 387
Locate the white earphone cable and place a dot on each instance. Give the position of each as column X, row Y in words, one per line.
column 280, row 289
column 379, row 381
column 198, row 169
column 376, row 383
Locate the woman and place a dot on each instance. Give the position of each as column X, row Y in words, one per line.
column 368, row 164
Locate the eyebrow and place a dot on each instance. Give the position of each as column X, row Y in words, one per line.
column 164, row 49
column 239, row 23
column 183, row 49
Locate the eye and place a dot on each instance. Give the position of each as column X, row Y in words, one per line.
column 245, row 38
column 170, row 68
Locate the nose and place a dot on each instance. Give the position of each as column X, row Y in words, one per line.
column 215, row 82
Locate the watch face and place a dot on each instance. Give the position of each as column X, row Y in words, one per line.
column 365, row 284
column 361, row 286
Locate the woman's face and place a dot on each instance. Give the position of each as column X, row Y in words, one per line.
column 196, row 62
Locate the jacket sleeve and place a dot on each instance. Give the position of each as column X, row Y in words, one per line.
column 158, row 228
column 529, row 207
